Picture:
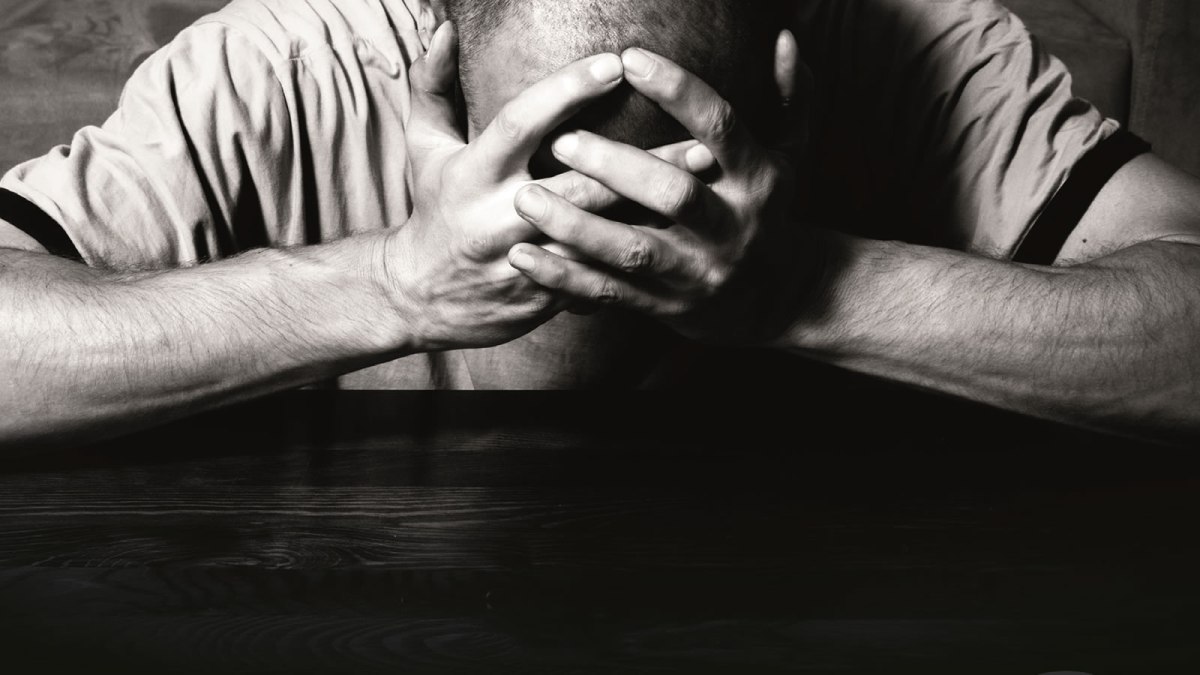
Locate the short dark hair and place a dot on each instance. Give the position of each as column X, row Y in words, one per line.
column 727, row 43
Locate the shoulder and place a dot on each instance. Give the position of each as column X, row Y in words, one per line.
column 914, row 29
column 271, row 61
column 956, row 110
column 287, row 30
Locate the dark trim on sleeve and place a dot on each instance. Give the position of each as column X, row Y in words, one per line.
column 1050, row 231
column 28, row 218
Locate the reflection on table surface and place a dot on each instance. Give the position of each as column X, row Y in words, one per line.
column 868, row 529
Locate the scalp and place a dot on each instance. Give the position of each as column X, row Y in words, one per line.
column 719, row 40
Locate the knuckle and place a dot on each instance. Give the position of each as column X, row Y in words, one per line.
column 569, row 187
column 508, row 123
column 637, row 256
column 586, row 193
column 606, row 292
column 679, row 194
column 476, row 247
column 720, row 119
column 714, row 279
column 674, row 84
column 540, row 300
column 582, row 194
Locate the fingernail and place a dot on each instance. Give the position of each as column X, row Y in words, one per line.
column 437, row 44
column 607, row 68
column 531, row 203
column 566, row 145
column 699, row 158
column 637, row 62
column 521, row 260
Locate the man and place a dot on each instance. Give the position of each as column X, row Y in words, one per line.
column 271, row 123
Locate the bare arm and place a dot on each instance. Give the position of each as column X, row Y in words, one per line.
column 1111, row 344
column 86, row 351
column 1110, row 339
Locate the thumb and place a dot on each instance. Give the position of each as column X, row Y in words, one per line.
column 432, row 120
column 796, row 86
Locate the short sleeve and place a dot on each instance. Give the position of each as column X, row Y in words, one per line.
column 941, row 123
column 175, row 175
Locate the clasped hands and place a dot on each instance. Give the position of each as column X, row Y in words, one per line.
column 489, row 253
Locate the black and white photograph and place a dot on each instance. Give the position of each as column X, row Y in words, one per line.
column 833, row 337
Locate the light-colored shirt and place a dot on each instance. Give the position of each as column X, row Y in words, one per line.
column 281, row 123
column 939, row 122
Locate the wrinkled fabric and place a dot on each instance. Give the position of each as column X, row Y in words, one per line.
column 280, row 123
column 939, row 122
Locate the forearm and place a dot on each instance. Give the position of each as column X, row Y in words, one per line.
column 85, row 351
column 1109, row 345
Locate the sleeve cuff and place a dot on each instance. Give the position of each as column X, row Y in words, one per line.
column 28, row 218
column 1045, row 239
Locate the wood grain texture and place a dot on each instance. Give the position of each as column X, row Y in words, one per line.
column 711, row 531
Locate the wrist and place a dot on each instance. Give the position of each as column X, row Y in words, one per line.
column 349, row 279
column 392, row 279
column 813, row 325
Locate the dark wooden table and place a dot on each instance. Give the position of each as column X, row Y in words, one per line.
column 835, row 526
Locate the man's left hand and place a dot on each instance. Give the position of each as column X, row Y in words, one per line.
column 730, row 267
